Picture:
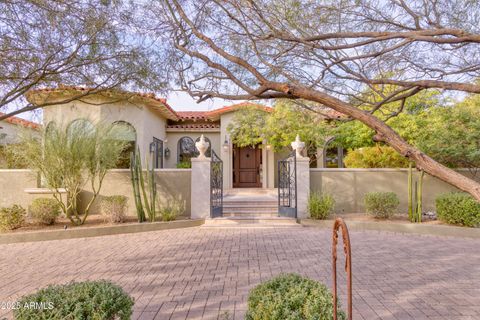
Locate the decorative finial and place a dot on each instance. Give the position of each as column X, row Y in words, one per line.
column 202, row 147
column 298, row 146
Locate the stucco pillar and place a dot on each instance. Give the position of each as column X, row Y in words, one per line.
column 303, row 186
column 200, row 193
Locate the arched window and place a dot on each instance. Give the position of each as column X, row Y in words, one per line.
column 332, row 155
column 79, row 127
column 126, row 132
column 186, row 150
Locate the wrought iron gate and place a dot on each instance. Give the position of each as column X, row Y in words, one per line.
column 216, row 186
column 287, row 186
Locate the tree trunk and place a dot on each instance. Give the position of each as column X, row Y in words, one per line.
column 386, row 134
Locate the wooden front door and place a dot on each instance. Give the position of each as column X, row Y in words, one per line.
column 246, row 167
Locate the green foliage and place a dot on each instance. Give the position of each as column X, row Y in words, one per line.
column 247, row 127
column 320, row 205
column 381, row 205
column 172, row 209
column 184, row 165
column 458, row 208
column 45, row 210
column 9, row 158
column 252, row 126
column 375, row 157
column 71, row 157
column 12, row 217
column 290, row 296
column 82, row 300
column 114, row 208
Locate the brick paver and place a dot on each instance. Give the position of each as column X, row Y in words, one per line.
column 201, row 273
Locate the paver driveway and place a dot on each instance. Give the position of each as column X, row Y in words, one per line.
column 201, row 273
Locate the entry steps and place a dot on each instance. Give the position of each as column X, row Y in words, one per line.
column 251, row 208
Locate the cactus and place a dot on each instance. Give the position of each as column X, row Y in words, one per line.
column 148, row 192
column 410, row 192
column 418, row 210
column 135, row 172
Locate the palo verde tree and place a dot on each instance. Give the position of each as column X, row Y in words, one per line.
column 326, row 52
column 86, row 43
column 71, row 158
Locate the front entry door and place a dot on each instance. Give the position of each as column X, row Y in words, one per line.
column 247, row 162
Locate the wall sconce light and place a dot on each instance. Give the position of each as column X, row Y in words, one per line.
column 167, row 152
column 269, row 147
column 152, row 147
column 226, row 144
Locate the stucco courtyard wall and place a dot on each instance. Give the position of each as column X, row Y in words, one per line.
column 171, row 183
column 349, row 186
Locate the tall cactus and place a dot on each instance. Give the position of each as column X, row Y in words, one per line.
column 136, row 173
column 410, row 192
column 150, row 196
column 418, row 211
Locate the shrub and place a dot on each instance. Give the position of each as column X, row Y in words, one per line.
column 172, row 209
column 184, row 165
column 375, row 157
column 381, row 205
column 290, row 296
column 458, row 208
column 82, row 300
column 114, row 208
column 45, row 210
column 320, row 205
column 12, row 217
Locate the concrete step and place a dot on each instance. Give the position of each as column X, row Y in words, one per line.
column 250, row 214
column 249, row 209
column 229, row 203
column 252, row 221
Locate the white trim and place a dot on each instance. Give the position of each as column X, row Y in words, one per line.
column 44, row 190
column 15, row 170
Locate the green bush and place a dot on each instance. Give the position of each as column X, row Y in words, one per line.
column 83, row 300
column 114, row 208
column 458, row 208
column 381, row 205
column 375, row 157
column 45, row 210
column 172, row 209
column 184, row 165
column 290, row 296
column 12, row 217
column 320, row 205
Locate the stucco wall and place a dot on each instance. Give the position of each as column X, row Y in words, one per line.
column 348, row 186
column 170, row 183
column 172, row 144
column 146, row 122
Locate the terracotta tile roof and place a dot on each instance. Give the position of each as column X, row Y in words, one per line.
column 215, row 114
column 194, row 126
column 160, row 104
column 21, row 122
column 192, row 115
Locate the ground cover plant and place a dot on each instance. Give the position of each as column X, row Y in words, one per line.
column 12, row 217
column 320, row 205
column 381, row 205
column 114, row 208
column 45, row 210
column 458, row 208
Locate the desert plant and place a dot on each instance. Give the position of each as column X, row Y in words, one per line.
column 381, row 205
column 12, row 217
column 415, row 211
column 458, row 208
column 45, row 210
column 149, row 192
column 114, row 208
column 290, row 296
column 172, row 209
column 71, row 157
column 410, row 191
column 320, row 205
column 184, row 165
column 77, row 300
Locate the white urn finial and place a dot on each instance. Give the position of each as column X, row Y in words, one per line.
column 202, row 147
column 298, row 146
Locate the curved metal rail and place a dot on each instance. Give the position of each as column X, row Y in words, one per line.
column 340, row 224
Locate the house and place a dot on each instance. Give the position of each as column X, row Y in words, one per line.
column 11, row 128
column 166, row 135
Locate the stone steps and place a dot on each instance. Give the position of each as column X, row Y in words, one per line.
column 252, row 221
